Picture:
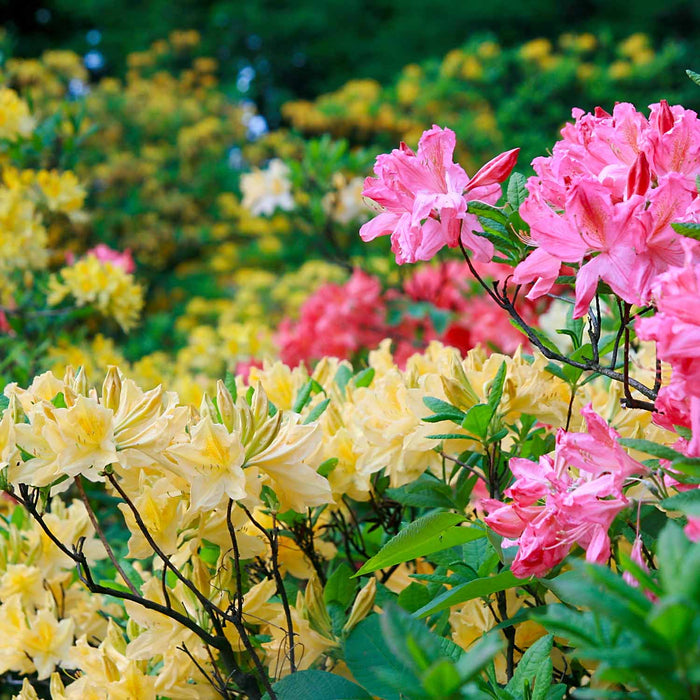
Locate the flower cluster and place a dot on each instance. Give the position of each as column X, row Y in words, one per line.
column 571, row 497
column 102, row 281
column 606, row 198
column 424, row 195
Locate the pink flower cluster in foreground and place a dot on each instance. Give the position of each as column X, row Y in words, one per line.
column 676, row 329
column 605, row 200
column 341, row 320
column 424, row 198
column 570, row 498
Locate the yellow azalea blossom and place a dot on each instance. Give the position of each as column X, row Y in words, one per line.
column 15, row 119
column 62, row 191
column 13, row 627
column 47, row 642
column 212, row 464
column 24, row 581
column 102, row 283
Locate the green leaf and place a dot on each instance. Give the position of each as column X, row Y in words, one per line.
column 487, row 211
column 59, row 401
column 303, row 396
column 431, row 533
column 468, row 591
column 325, row 468
column 412, row 641
column 687, row 229
column 496, row 388
column 687, row 502
column 479, row 656
column 372, row 663
column 317, row 411
column 230, row 384
column 414, row 596
column 423, row 493
column 517, row 191
column 342, row 377
column 311, row 683
column 536, row 663
column 442, row 411
column 441, row 680
column 650, row 448
column 340, row 587
column 364, row 378
column 477, row 420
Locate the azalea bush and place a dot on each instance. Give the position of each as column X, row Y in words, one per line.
column 447, row 523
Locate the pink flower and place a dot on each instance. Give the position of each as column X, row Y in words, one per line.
column 605, row 200
column 106, row 254
column 423, row 198
column 336, row 320
column 571, row 498
column 676, row 325
column 692, row 529
column 597, row 451
column 637, row 557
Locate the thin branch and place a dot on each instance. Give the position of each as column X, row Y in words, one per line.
column 110, row 553
column 272, row 538
column 501, row 299
column 464, row 466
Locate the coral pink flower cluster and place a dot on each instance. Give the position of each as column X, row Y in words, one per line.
column 341, row 320
column 566, row 499
column 336, row 320
column 605, row 200
column 424, row 198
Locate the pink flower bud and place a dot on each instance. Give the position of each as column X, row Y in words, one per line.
column 666, row 120
column 496, row 170
column 639, row 177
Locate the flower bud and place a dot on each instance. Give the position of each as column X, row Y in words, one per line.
column 116, row 638
column 111, row 389
column 80, row 383
column 224, row 401
column 58, row 690
column 316, row 607
column 666, row 120
column 639, row 177
column 457, row 388
column 364, row 602
column 496, row 170
column 207, row 409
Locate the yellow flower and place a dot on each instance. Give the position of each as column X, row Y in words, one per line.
column 91, row 281
column 212, row 464
column 47, row 642
column 62, row 191
column 15, row 119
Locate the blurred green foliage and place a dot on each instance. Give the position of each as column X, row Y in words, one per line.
column 310, row 46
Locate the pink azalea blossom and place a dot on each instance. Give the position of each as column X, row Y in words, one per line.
column 605, row 200
column 424, row 198
column 692, row 529
column 570, row 498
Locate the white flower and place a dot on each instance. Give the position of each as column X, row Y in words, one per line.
column 267, row 190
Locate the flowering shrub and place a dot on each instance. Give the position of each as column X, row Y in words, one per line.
column 440, row 513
